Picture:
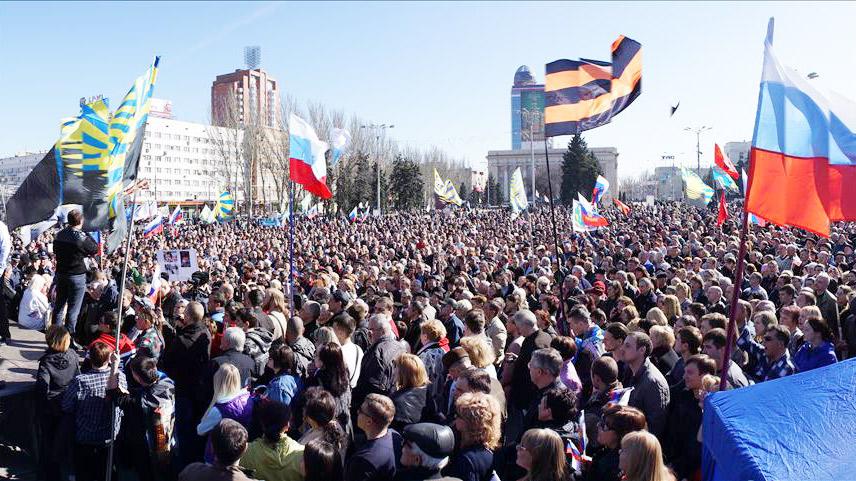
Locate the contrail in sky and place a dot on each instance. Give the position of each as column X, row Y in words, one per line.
column 241, row 22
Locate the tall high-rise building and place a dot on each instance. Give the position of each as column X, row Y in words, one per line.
column 243, row 97
column 527, row 109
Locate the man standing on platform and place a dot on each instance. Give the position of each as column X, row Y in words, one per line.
column 71, row 246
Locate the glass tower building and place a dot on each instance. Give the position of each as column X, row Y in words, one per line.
column 527, row 109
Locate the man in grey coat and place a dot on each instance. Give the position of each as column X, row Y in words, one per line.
column 650, row 390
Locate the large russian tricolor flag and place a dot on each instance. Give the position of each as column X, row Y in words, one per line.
column 803, row 157
column 307, row 165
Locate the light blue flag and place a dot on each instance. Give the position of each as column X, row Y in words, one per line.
column 724, row 180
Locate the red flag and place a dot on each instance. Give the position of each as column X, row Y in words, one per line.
column 723, row 163
column 723, row 214
column 624, row 208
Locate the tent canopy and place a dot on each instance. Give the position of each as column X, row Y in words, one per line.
column 798, row 427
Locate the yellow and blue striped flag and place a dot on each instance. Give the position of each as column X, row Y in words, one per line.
column 225, row 206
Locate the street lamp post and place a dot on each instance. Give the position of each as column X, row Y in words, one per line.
column 698, row 132
column 377, row 129
column 531, row 116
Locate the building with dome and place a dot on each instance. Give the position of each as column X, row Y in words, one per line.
column 527, row 146
column 527, row 108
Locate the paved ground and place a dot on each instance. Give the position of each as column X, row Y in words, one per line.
column 19, row 361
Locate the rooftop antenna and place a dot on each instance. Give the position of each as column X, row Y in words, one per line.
column 253, row 57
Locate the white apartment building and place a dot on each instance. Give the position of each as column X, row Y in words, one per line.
column 182, row 161
column 13, row 170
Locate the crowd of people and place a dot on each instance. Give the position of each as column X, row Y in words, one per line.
column 417, row 345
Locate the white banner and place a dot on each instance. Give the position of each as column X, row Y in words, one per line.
column 178, row 264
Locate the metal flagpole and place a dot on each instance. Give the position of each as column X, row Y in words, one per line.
column 732, row 319
column 118, row 324
column 559, row 257
column 291, row 250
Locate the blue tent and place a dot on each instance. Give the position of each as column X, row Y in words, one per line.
column 798, row 427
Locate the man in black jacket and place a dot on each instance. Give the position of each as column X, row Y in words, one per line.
column 376, row 371
column 185, row 360
column 71, row 246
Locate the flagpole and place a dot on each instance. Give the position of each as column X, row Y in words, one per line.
column 118, row 324
column 732, row 318
column 291, row 250
column 559, row 258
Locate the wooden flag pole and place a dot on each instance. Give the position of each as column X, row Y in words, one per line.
column 735, row 296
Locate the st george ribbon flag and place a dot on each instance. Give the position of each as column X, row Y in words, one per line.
column 517, row 193
column 583, row 94
column 307, row 162
column 803, row 156
column 96, row 154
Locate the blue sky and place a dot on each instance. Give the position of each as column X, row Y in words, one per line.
column 441, row 72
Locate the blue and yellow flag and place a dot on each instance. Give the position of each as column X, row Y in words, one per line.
column 724, row 180
column 96, row 154
column 695, row 188
column 584, row 94
column 225, row 206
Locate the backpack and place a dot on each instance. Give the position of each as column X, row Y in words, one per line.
column 361, row 338
column 257, row 346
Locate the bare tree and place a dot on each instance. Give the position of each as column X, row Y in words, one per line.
column 227, row 142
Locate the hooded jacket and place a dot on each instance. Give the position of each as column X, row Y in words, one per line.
column 55, row 373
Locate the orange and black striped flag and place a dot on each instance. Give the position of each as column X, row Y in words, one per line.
column 584, row 94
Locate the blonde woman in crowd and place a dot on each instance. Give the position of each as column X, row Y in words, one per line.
column 542, row 454
column 481, row 353
column 411, row 390
column 641, row 458
column 478, row 422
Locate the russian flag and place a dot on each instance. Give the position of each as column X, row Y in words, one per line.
column 176, row 216
column 352, row 216
column 601, row 185
column 155, row 226
column 590, row 217
column 307, row 165
column 154, row 287
column 803, row 157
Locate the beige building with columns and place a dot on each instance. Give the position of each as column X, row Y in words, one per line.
column 501, row 165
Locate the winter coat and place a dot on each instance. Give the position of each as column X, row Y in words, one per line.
column 664, row 359
column 185, row 359
column 257, row 346
column 71, row 246
column 651, row 396
column 432, row 356
column 409, row 405
column 681, row 447
column 274, row 462
column 521, row 384
column 304, row 353
column 55, row 373
column 809, row 357
column 376, row 372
